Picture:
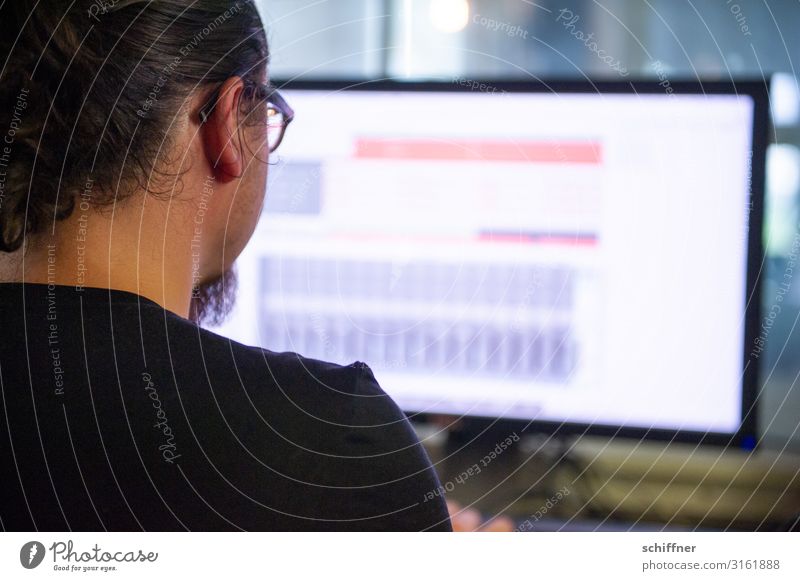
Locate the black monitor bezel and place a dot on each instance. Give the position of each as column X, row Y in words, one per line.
column 758, row 90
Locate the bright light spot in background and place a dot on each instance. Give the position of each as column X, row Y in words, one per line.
column 784, row 100
column 449, row 15
column 783, row 182
column 783, row 177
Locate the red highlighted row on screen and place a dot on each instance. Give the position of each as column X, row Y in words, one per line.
column 583, row 152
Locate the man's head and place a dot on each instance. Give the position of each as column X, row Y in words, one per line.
column 140, row 122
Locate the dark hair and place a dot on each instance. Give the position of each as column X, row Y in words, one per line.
column 90, row 89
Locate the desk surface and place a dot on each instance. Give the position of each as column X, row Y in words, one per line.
column 595, row 483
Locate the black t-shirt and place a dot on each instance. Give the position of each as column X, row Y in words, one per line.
column 118, row 415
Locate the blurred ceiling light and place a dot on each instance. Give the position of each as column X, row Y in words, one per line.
column 783, row 171
column 449, row 15
column 785, row 100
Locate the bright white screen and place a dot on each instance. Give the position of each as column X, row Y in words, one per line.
column 576, row 258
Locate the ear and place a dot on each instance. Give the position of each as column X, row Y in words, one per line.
column 220, row 132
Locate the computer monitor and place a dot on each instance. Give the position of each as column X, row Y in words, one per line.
column 577, row 256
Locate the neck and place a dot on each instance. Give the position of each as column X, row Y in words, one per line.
column 139, row 250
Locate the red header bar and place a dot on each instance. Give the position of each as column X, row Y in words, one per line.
column 480, row 150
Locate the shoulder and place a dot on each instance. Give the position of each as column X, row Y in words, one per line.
column 324, row 389
column 368, row 444
column 337, row 428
